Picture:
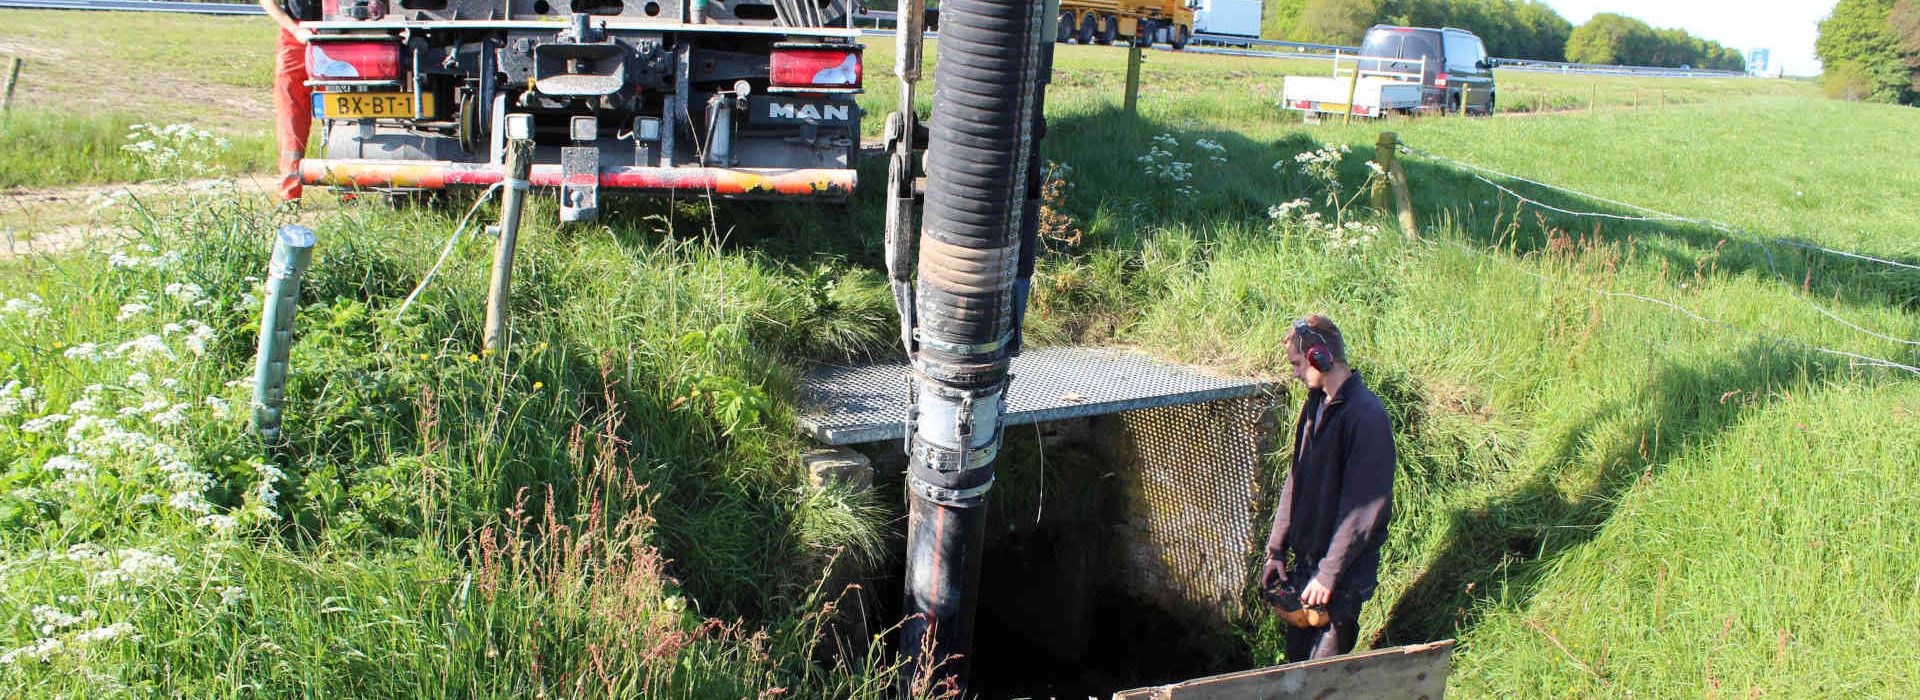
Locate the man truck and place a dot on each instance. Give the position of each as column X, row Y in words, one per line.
column 729, row 98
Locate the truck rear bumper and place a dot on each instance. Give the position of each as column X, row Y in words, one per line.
column 777, row 182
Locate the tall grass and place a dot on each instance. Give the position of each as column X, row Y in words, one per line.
column 44, row 148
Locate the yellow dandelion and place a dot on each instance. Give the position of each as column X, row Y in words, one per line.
column 423, row 356
column 539, row 385
column 472, row 357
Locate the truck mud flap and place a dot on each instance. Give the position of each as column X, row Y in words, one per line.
column 780, row 182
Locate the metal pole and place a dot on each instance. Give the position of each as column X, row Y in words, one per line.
column 519, row 166
column 292, row 252
column 1133, row 78
column 13, row 77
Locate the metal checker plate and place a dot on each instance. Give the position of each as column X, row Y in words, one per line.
column 868, row 403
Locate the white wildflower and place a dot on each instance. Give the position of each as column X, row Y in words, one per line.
column 29, row 307
column 44, row 423
column 43, row 650
column 138, row 567
column 139, row 379
column 131, row 311
column 232, row 594
column 50, row 619
column 145, row 348
column 83, row 351
column 70, row 468
column 13, row 398
column 185, row 292
column 85, row 553
column 219, row 407
column 104, row 634
column 217, row 522
column 173, row 417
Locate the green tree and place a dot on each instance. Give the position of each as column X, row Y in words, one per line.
column 1280, row 19
column 1337, row 21
column 1546, row 32
column 1610, row 38
column 1860, row 51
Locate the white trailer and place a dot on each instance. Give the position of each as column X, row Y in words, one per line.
column 1228, row 17
column 1367, row 93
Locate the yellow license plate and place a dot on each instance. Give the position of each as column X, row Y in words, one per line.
column 373, row 105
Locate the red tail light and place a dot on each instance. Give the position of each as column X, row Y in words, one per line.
column 1440, row 80
column 355, row 60
column 816, row 66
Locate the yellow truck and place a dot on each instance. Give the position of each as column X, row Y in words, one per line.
column 1144, row 22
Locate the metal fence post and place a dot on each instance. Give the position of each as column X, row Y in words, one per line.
column 13, row 77
column 292, row 252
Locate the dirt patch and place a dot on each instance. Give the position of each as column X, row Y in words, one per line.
column 30, row 52
column 50, row 221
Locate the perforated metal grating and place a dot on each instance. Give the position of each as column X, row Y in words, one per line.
column 868, row 403
column 1195, row 500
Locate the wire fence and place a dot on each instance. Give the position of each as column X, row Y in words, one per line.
column 1856, row 358
column 1650, row 215
column 1656, row 216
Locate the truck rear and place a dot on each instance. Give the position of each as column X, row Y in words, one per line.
column 731, row 98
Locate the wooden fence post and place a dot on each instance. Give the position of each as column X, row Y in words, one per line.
column 1384, row 152
column 519, row 166
column 1353, row 83
column 1387, row 148
column 13, row 76
column 1593, row 99
column 1133, row 77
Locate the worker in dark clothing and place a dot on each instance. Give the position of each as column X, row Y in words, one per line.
column 1333, row 509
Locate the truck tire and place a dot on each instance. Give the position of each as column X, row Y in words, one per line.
column 1066, row 26
column 1083, row 31
column 1109, row 30
column 1181, row 35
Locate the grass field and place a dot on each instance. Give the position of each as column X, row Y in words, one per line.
column 1599, row 495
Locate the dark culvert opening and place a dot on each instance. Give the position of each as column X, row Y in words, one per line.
column 1072, row 603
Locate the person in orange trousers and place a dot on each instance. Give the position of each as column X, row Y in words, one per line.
column 292, row 99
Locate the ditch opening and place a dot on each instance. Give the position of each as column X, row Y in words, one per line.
column 1119, row 550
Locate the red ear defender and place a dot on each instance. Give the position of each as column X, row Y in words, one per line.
column 1314, row 344
column 1320, row 357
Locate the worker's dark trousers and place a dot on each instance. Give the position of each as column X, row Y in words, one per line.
column 1334, row 639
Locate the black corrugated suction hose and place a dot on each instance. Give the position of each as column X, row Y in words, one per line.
column 975, row 253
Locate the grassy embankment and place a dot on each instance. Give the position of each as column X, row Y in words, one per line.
column 1599, row 496
column 91, row 75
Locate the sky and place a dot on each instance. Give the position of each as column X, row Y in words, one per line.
column 1786, row 28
